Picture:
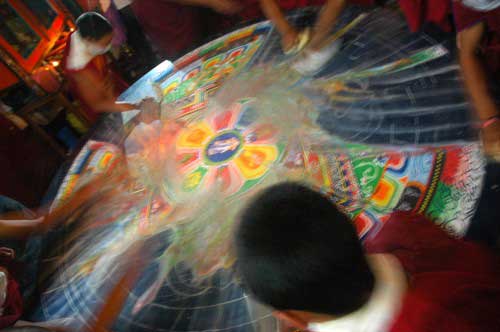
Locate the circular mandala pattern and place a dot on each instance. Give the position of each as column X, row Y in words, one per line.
column 232, row 147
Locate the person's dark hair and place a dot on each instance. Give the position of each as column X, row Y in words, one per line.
column 297, row 251
column 93, row 26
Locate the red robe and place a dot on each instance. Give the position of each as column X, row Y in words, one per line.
column 454, row 285
column 251, row 8
column 172, row 27
column 420, row 12
column 100, row 67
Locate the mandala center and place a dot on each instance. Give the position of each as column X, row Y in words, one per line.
column 223, row 147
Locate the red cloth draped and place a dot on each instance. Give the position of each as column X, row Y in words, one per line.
column 171, row 27
column 454, row 285
column 419, row 12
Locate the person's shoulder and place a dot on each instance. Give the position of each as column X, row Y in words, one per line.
column 406, row 230
column 450, row 300
column 466, row 16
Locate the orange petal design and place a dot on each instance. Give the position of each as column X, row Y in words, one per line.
column 195, row 136
column 254, row 160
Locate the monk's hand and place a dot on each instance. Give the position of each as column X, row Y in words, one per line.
column 150, row 110
column 289, row 39
column 225, row 7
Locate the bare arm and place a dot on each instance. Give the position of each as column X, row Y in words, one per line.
column 327, row 18
column 476, row 82
column 12, row 226
column 274, row 13
column 19, row 228
column 99, row 94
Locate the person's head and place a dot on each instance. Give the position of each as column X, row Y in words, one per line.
column 96, row 31
column 297, row 253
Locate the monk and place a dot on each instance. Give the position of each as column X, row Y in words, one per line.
column 90, row 78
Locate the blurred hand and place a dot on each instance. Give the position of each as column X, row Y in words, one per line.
column 289, row 39
column 491, row 140
column 150, row 110
column 226, row 7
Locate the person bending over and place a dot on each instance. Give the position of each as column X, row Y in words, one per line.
column 89, row 75
column 297, row 253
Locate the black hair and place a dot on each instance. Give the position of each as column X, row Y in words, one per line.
column 297, row 251
column 93, row 26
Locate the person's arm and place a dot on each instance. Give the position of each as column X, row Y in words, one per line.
column 274, row 13
column 19, row 228
column 12, row 226
column 473, row 72
column 98, row 94
column 326, row 20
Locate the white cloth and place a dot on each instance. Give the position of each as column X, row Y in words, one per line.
column 384, row 304
column 82, row 52
column 482, row 5
column 79, row 55
column 311, row 62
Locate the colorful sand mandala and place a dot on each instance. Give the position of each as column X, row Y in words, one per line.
column 399, row 140
column 199, row 74
column 94, row 159
column 232, row 147
column 369, row 188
